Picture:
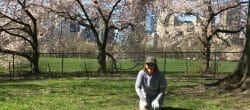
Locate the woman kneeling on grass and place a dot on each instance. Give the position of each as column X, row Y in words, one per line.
column 150, row 86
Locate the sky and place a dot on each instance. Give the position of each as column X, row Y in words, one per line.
column 187, row 18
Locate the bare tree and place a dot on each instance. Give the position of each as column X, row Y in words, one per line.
column 19, row 22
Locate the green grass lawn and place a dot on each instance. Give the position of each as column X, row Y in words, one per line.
column 71, row 65
column 171, row 65
column 100, row 94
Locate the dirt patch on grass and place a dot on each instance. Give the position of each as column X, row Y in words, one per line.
column 238, row 100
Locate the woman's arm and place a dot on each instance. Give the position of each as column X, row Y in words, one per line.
column 163, row 86
column 138, row 86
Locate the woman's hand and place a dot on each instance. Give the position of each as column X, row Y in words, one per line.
column 155, row 105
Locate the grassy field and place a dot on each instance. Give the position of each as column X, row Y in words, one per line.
column 171, row 65
column 83, row 65
column 106, row 94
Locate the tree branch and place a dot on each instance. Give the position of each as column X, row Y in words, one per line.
column 123, row 27
column 227, row 31
column 224, row 40
column 103, row 17
column 91, row 25
column 20, row 36
column 13, row 20
column 229, row 7
column 23, row 54
column 113, row 8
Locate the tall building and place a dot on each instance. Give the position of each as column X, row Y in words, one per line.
column 150, row 21
column 74, row 27
column 88, row 35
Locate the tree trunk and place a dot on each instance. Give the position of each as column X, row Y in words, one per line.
column 207, row 59
column 206, row 55
column 102, row 61
column 35, row 63
column 114, row 66
column 36, row 53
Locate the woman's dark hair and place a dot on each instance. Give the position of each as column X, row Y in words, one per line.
column 156, row 68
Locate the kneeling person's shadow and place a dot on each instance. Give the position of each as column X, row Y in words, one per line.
column 173, row 108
